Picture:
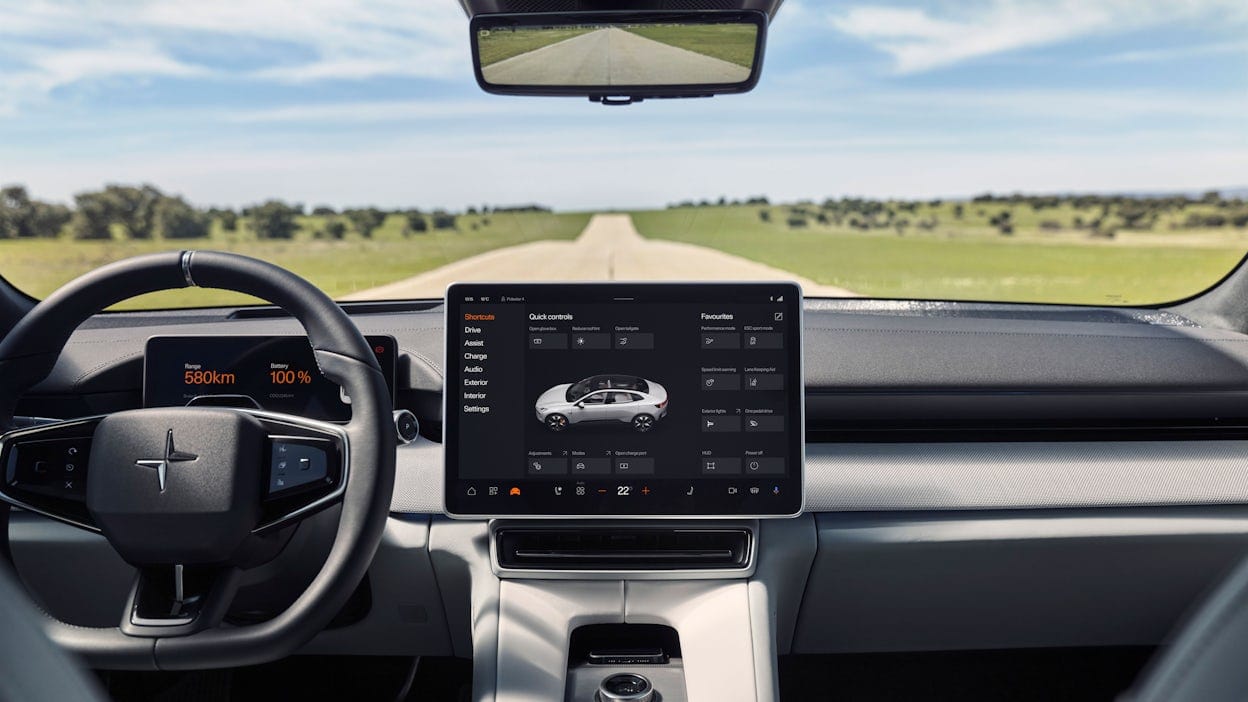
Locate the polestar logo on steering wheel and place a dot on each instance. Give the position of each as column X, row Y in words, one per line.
column 162, row 464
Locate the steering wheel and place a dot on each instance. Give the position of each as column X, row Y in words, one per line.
column 192, row 496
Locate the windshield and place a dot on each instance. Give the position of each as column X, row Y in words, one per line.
column 605, row 382
column 1090, row 152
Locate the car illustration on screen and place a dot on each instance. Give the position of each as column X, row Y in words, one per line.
column 627, row 399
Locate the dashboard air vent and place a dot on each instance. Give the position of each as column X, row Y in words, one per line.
column 622, row 548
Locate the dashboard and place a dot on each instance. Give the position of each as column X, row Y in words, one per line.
column 1065, row 454
column 908, row 406
column 623, row 400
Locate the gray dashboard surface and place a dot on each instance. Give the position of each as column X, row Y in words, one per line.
column 1017, row 348
column 929, row 359
column 939, row 581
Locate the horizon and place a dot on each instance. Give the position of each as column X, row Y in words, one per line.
column 1227, row 193
column 373, row 104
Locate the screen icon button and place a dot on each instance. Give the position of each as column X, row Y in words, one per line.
column 634, row 466
column 721, row 381
column 764, row 340
column 590, row 466
column 772, row 465
column 764, row 422
column 721, row 466
column 591, row 341
column 544, row 465
column 721, row 423
column 634, row 341
column 721, row 341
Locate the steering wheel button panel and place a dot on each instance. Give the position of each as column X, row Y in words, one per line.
column 54, row 468
column 45, row 469
column 296, row 464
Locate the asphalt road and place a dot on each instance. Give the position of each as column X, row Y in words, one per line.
column 612, row 57
column 609, row 249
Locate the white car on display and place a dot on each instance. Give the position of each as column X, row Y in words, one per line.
column 603, row 398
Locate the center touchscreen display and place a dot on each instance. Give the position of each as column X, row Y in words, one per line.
column 621, row 399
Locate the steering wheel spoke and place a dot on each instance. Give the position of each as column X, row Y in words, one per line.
column 177, row 600
column 46, row 468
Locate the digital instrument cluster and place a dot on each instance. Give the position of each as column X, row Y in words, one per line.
column 273, row 373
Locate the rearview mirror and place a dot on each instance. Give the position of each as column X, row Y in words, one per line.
column 619, row 58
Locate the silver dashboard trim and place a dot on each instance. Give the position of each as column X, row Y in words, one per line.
column 899, row 477
column 861, row 477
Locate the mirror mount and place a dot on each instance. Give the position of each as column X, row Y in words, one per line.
column 620, row 100
column 619, row 58
column 614, row 100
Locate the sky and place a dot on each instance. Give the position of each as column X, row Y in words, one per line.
column 372, row 102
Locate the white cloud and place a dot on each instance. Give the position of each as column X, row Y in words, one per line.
column 64, row 67
column 46, row 70
column 347, row 39
column 1008, row 107
column 925, row 39
column 1019, row 108
column 47, row 45
column 405, row 111
column 1176, row 53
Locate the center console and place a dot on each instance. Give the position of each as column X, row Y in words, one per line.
column 630, row 445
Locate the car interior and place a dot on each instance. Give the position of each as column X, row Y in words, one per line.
column 800, row 496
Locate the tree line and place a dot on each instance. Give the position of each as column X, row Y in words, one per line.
column 145, row 212
column 1099, row 215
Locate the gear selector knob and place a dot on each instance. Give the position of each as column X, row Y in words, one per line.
column 623, row 687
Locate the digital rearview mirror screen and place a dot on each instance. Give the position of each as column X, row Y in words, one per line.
column 609, row 55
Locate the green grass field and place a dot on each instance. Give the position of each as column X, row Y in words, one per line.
column 39, row 266
column 503, row 44
column 729, row 42
column 950, row 257
column 968, row 259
